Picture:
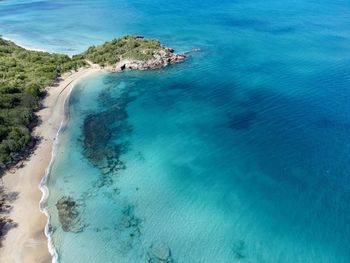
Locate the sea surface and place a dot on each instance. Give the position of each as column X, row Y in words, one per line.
column 239, row 154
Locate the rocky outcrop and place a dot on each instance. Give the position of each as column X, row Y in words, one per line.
column 99, row 129
column 161, row 58
column 238, row 249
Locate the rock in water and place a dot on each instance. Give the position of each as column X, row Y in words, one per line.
column 69, row 215
column 160, row 253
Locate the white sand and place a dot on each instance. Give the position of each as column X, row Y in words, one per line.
column 27, row 242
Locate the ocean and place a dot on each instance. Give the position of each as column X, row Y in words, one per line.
column 239, row 154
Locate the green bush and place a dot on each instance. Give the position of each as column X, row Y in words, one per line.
column 24, row 75
column 128, row 47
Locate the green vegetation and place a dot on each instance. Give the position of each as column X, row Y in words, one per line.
column 24, row 75
column 128, row 47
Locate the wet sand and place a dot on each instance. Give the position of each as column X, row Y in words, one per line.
column 27, row 242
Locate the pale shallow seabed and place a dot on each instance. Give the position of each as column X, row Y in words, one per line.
column 240, row 154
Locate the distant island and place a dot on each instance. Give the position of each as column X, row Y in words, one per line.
column 26, row 78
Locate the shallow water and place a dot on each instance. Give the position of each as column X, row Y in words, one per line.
column 240, row 154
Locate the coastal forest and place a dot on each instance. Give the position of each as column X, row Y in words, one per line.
column 24, row 75
column 127, row 47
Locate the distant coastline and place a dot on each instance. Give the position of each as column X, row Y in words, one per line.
column 19, row 43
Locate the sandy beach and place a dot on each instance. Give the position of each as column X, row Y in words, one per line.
column 27, row 242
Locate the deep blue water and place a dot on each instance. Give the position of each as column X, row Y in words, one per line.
column 240, row 154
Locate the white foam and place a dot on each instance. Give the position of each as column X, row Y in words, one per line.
column 45, row 191
column 18, row 43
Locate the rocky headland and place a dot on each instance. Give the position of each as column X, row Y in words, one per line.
column 133, row 53
column 161, row 59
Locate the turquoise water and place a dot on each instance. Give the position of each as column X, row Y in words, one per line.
column 240, row 154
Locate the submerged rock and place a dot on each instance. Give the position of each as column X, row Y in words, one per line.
column 69, row 215
column 239, row 249
column 159, row 253
column 128, row 230
column 129, row 220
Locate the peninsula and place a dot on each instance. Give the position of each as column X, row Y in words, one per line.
column 34, row 86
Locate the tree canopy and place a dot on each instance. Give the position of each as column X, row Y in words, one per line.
column 24, row 75
column 127, row 47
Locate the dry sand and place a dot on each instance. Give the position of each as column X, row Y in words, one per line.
column 27, row 242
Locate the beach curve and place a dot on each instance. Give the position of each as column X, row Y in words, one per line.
column 30, row 240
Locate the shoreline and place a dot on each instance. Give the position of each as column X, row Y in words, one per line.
column 20, row 44
column 30, row 241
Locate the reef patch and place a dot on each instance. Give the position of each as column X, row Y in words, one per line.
column 69, row 213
